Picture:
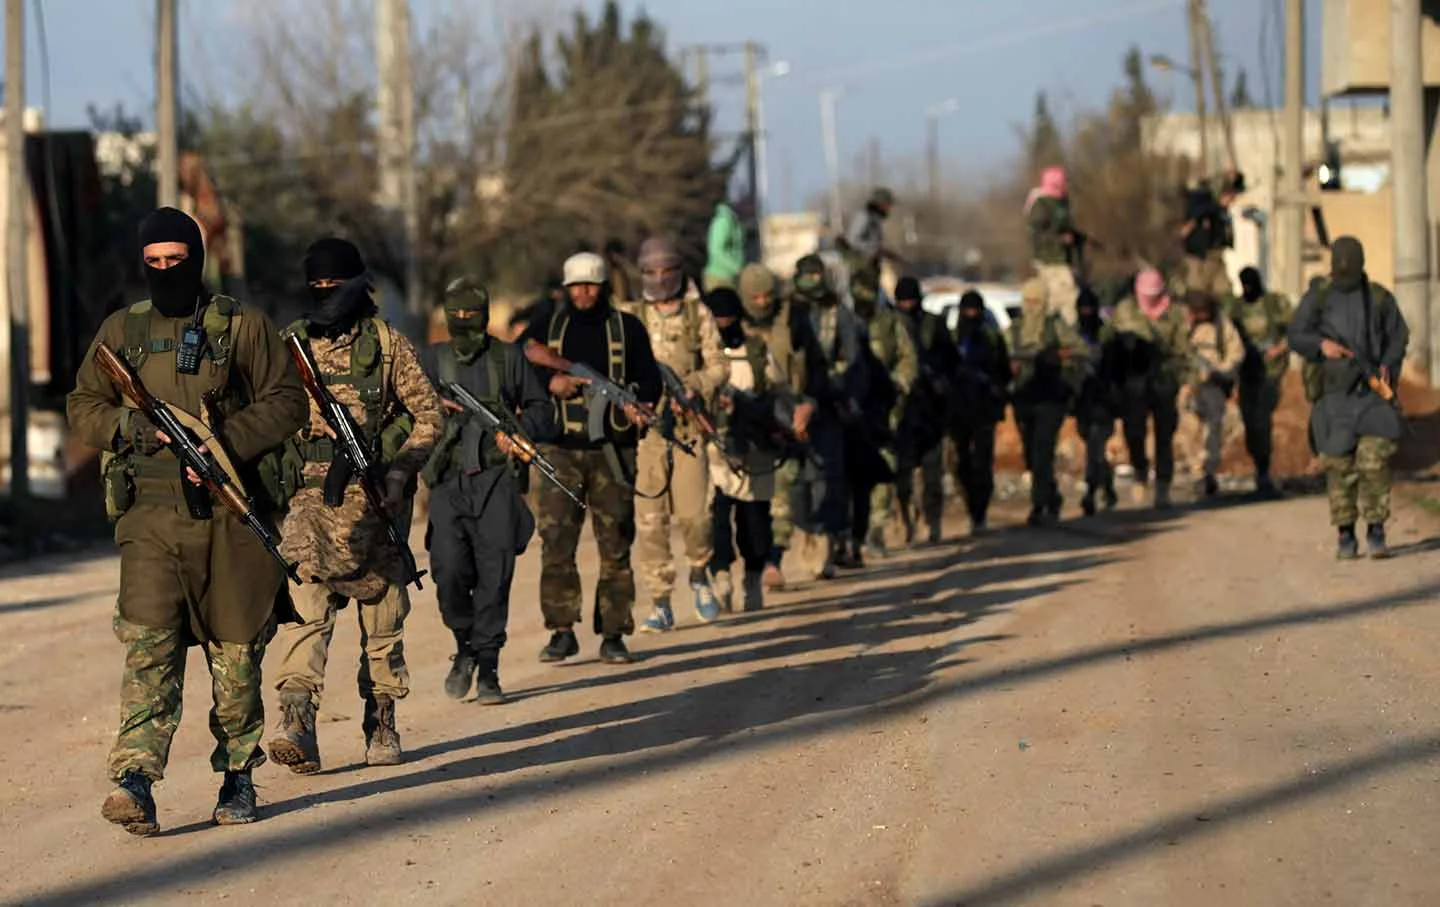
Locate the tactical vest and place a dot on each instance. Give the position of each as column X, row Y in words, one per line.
column 571, row 414
column 655, row 324
column 221, row 320
column 452, row 452
column 372, row 365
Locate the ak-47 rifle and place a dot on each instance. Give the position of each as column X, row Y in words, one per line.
column 525, row 449
column 692, row 406
column 218, row 480
column 1369, row 372
column 352, row 458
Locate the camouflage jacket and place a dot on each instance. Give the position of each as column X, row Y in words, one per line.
column 1049, row 221
column 688, row 342
column 1263, row 325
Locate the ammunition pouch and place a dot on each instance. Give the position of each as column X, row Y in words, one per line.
column 117, row 477
column 281, row 474
column 1312, row 377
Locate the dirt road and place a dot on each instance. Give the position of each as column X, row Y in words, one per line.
column 1192, row 710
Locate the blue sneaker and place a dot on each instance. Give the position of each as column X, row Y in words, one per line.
column 707, row 606
column 661, row 619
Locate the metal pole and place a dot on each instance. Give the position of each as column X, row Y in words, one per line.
column 932, row 159
column 752, row 132
column 762, row 169
column 1217, row 82
column 1407, row 150
column 828, row 98
column 1290, row 232
column 1197, row 77
column 166, row 105
column 17, row 198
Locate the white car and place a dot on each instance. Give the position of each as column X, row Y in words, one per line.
column 942, row 297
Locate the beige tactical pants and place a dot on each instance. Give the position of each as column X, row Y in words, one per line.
column 682, row 484
column 1060, row 286
column 304, row 649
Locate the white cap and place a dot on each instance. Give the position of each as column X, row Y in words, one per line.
column 585, row 267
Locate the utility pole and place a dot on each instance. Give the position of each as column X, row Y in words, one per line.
column 753, row 55
column 1291, row 233
column 1407, row 151
column 1206, row 32
column 828, row 97
column 167, row 110
column 1197, row 77
column 933, row 113
column 398, row 190
column 17, row 202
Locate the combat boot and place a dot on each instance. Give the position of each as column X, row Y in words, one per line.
column 131, row 806
column 1162, row 495
column 1347, row 547
column 1087, row 503
column 487, row 688
column 707, row 608
column 562, row 645
column 236, row 803
column 661, row 619
column 613, row 651
column 382, row 740
column 1375, row 542
column 462, row 672
column 754, row 591
column 296, row 745
column 936, row 534
column 1111, row 499
column 724, row 588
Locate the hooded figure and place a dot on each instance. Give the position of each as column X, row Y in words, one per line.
column 759, row 294
column 1353, row 339
column 467, row 315
column 175, row 291
column 1263, row 319
column 339, row 287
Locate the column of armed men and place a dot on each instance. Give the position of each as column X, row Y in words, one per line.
column 262, row 480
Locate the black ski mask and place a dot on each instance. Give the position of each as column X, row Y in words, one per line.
column 725, row 305
column 174, row 291
column 1347, row 264
column 1087, row 314
column 1252, row 288
column 338, row 307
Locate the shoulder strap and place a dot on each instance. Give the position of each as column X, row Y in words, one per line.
column 446, row 364
column 138, row 342
column 615, row 343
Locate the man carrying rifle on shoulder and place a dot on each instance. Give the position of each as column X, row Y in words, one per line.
column 479, row 522
column 603, row 377
column 349, row 522
column 1351, row 334
column 191, row 573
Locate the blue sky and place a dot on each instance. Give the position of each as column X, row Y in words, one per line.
column 892, row 58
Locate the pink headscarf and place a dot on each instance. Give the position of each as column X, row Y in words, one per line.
column 1053, row 184
column 1150, row 293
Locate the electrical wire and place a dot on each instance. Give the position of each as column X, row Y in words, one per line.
column 1008, row 39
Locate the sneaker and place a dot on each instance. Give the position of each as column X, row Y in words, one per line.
column 661, row 619
column 131, row 806
column 562, row 645
column 614, row 652
column 487, row 689
column 462, row 673
column 1347, row 547
column 707, row 607
column 1375, row 542
column 236, row 803
column 724, row 588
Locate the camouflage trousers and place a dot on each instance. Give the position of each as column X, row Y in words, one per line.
column 612, row 518
column 1059, row 280
column 304, row 649
column 684, row 495
column 1359, row 484
column 870, row 521
column 782, row 519
column 151, row 695
column 932, row 484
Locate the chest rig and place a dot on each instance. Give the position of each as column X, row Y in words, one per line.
column 572, row 414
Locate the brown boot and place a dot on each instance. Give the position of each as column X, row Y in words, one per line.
column 296, row 745
column 382, row 741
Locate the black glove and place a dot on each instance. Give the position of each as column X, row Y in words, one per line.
column 140, row 435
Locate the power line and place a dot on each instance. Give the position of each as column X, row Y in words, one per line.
column 1008, row 39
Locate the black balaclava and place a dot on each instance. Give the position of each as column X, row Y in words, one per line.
column 811, row 283
column 907, row 289
column 468, row 335
column 972, row 312
column 725, row 303
column 1087, row 314
column 176, row 291
column 660, row 255
column 867, row 302
column 338, row 308
column 1252, row 288
column 1347, row 264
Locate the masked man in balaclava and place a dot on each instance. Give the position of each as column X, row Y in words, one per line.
column 671, row 485
column 1047, row 354
column 1095, row 406
column 1351, row 334
column 479, row 521
column 188, row 581
column 924, row 425
column 821, row 495
column 340, row 543
column 1263, row 319
column 982, row 389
